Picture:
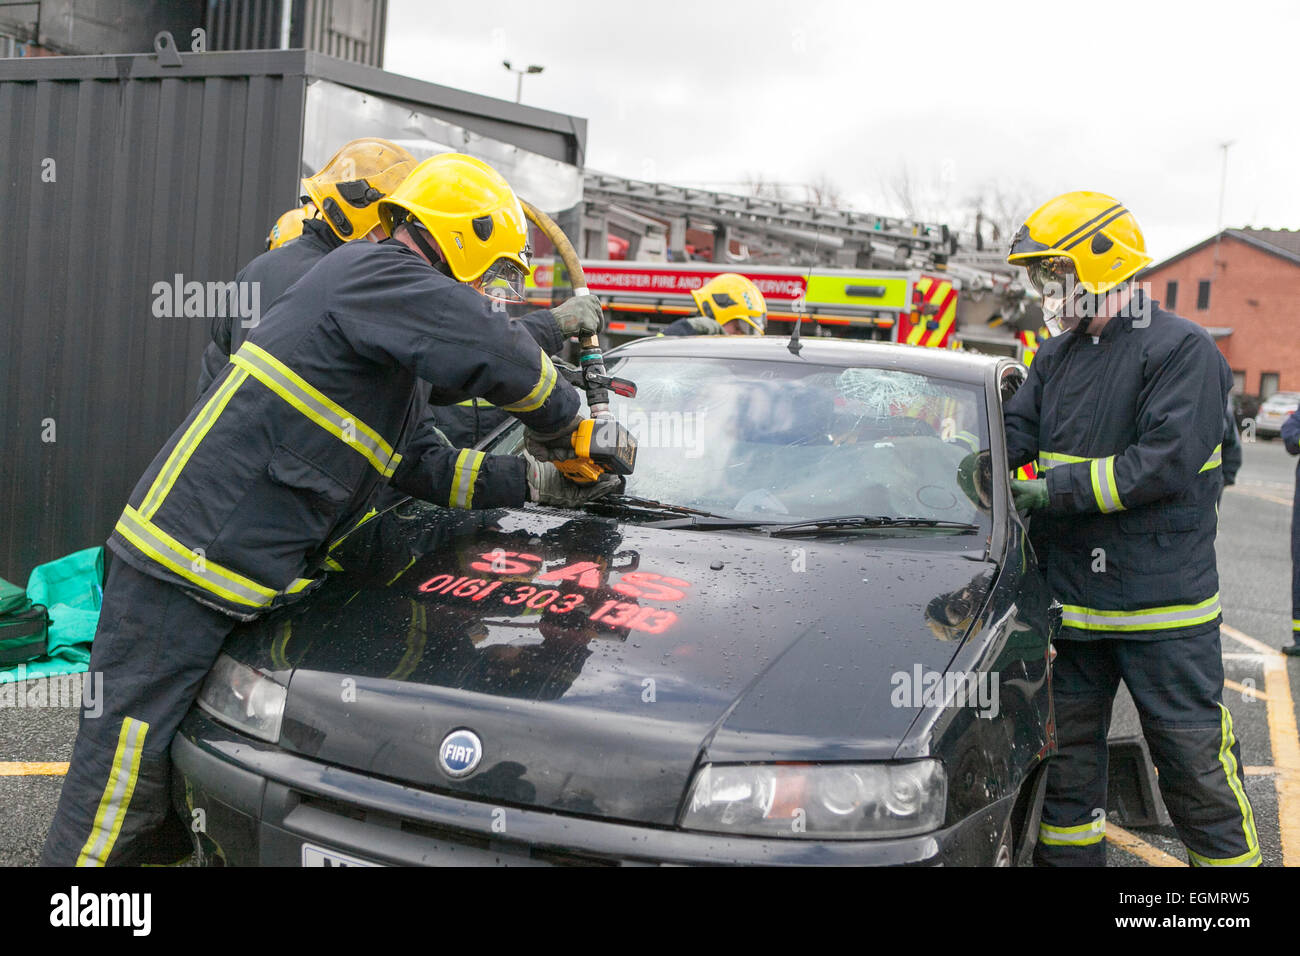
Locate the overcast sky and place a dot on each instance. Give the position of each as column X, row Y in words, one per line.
column 1132, row 99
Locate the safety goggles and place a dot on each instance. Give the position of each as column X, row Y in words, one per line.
column 1055, row 279
column 752, row 324
column 1051, row 275
column 503, row 281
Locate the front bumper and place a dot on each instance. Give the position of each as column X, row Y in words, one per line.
column 253, row 804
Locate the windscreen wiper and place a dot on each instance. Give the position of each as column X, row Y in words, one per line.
column 647, row 504
column 850, row 522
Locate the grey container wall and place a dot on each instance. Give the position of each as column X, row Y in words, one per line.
column 157, row 171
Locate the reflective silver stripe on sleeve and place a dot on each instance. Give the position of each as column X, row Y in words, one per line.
column 1103, row 485
column 466, row 473
column 541, row 391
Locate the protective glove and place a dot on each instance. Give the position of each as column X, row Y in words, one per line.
column 548, row 486
column 1029, row 495
column 975, row 478
column 703, row 325
column 580, row 315
column 552, row 446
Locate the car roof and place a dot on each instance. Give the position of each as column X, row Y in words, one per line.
column 942, row 363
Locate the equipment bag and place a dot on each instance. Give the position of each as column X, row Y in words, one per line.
column 12, row 597
column 24, row 635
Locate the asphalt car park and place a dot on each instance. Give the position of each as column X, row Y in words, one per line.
column 647, row 683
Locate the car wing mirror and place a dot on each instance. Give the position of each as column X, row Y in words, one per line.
column 1010, row 378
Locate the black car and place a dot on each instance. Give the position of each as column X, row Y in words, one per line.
column 811, row 630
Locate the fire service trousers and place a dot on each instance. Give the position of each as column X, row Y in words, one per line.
column 1177, row 685
column 154, row 645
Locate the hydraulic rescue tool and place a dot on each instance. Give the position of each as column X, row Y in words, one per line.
column 601, row 444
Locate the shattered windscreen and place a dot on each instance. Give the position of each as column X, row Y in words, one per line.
column 757, row 439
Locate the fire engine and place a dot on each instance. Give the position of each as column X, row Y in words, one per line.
column 911, row 306
column 838, row 272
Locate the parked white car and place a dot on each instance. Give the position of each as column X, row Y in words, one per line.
column 1276, row 409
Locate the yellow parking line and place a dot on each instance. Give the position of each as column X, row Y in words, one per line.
column 1286, row 757
column 1121, row 838
column 1244, row 690
column 20, row 768
column 1284, row 740
column 1249, row 641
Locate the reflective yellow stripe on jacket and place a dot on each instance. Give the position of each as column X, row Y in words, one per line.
column 171, row 469
column 194, row 566
column 536, row 398
column 465, row 474
column 1049, row 459
column 1147, row 619
column 1102, row 474
column 317, row 406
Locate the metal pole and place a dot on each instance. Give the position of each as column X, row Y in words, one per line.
column 519, row 86
column 286, row 23
column 1223, row 180
column 1218, row 235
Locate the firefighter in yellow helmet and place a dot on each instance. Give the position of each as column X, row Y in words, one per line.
column 342, row 198
column 1123, row 411
column 729, row 304
column 348, row 188
column 289, row 226
column 324, row 404
column 459, row 214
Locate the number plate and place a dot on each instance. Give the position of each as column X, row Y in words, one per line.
column 319, row 856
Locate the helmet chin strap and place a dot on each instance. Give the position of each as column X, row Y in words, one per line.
column 1095, row 300
column 430, row 252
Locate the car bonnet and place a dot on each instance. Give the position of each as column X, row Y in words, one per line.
column 598, row 662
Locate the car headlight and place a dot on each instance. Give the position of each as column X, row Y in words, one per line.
column 819, row 801
column 243, row 698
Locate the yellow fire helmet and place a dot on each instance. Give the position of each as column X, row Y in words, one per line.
column 356, row 177
column 1093, row 231
column 729, row 297
column 289, row 226
column 473, row 215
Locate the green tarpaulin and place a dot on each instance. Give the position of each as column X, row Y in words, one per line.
column 71, row 588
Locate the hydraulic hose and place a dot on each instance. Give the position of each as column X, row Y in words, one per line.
column 591, row 360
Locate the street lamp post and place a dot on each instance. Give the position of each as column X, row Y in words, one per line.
column 519, row 86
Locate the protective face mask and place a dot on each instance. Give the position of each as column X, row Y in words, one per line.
column 1066, row 303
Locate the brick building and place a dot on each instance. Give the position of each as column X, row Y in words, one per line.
column 1243, row 286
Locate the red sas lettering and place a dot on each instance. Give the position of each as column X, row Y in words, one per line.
column 585, row 573
column 506, row 562
column 647, row 584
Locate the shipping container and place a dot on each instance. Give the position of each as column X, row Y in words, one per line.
column 124, row 180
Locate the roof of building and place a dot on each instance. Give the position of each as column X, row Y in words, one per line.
column 1283, row 243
